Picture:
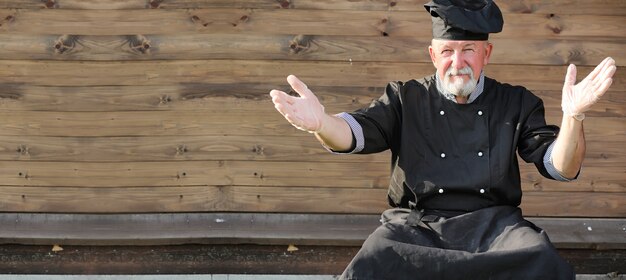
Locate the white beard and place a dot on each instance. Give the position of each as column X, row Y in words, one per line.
column 459, row 87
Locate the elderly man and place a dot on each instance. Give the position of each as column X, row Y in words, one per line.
column 455, row 181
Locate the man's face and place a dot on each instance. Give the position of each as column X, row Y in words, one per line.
column 459, row 63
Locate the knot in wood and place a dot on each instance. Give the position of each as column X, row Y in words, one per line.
column 555, row 29
column 23, row 150
column 300, row 43
column 50, row 3
column 554, row 23
column 196, row 19
column 383, row 26
column 10, row 92
column 155, row 3
column 165, row 99
column 24, row 175
column 139, row 43
column 284, row 4
column 258, row 149
column 526, row 10
column 242, row 19
column 181, row 149
column 65, row 43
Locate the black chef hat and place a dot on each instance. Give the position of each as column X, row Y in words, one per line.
column 464, row 19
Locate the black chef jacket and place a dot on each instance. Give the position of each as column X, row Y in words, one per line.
column 456, row 166
column 458, row 157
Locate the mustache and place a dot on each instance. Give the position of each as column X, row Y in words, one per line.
column 463, row 71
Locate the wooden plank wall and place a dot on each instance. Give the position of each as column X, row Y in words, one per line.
column 162, row 106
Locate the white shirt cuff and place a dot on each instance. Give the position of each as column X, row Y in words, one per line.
column 547, row 163
column 357, row 132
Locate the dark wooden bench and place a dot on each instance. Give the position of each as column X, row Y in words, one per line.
column 244, row 242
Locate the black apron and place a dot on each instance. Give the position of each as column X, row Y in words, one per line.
column 491, row 243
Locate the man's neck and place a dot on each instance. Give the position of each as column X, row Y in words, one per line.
column 461, row 99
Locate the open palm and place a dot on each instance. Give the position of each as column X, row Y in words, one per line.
column 304, row 112
column 578, row 98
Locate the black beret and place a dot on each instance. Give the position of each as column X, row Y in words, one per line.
column 464, row 19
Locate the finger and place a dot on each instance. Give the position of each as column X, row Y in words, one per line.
column 609, row 62
column 284, row 109
column 607, row 73
column 280, row 103
column 281, row 97
column 607, row 66
column 297, row 122
column 599, row 68
column 570, row 76
column 604, row 87
column 299, row 86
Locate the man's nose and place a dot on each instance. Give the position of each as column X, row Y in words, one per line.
column 457, row 61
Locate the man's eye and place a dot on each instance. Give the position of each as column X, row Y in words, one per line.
column 446, row 51
column 468, row 50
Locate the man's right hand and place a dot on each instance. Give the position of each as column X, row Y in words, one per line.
column 304, row 112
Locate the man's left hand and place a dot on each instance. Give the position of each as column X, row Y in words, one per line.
column 578, row 98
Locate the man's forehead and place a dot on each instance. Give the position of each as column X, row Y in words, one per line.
column 454, row 43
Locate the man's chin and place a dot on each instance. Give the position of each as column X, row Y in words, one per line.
column 461, row 90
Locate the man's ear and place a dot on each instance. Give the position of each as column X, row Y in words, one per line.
column 432, row 54
column 488, row 48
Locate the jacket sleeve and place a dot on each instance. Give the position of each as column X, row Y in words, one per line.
column 536, row 136
column 380, row 120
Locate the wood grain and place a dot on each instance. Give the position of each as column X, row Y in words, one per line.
column 192, row 199
column 196, row 123
column 299, row 47
column 589, row 7
column 240, row 97
column 601, row 152
column 162, row 106
column 287, row 21
column 274, row 199
column 314, row 73
column 175, row 148
column 189, row 173
column 252, row 98
column 322, row 174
